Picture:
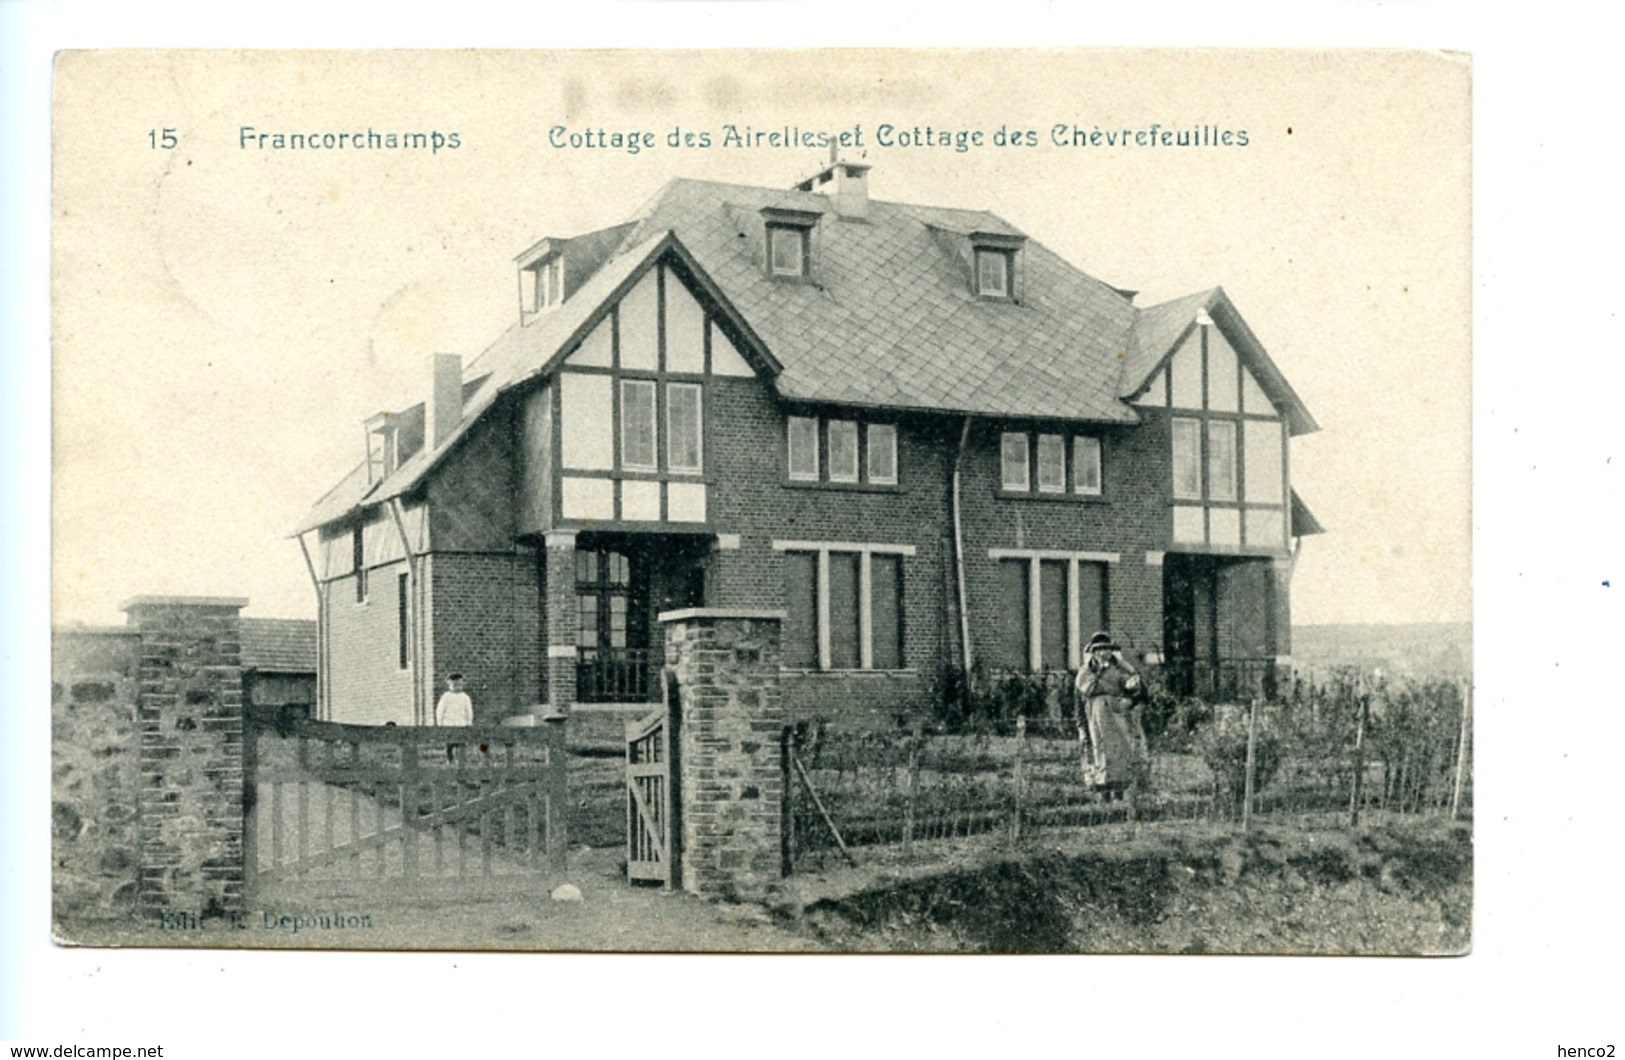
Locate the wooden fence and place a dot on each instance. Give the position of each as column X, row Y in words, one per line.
column 409, row 805
column 1330, row 750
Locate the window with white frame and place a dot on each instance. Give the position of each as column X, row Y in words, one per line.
column 1221, row 460
column 544, row 285
column 1187, row 459
column 882, row 454
column 787, row 250
column 638, row 424
column 1050, row 463
column 993, row 273
column 803, row 443
column 843, row 604
column 1086, row 465
column 1013, row 461
column 683, row 428
column 1045, row 603
column 841, row 452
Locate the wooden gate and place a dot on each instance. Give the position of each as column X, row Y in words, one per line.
column 420, row 807
column 653, row 829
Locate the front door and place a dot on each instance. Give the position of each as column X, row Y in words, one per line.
column 612, row 628
column 1188, row 622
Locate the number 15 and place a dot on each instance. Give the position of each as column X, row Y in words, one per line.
column 165, row 138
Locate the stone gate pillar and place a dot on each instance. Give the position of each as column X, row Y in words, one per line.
column 189, row 714
column 725, row 662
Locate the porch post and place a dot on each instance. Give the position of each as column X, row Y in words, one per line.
column 559, row 619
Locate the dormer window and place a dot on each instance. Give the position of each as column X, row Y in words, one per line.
column 544, row 285
column 996, row 265
column 787, row 250
column 993, row 273
column 789, row 242
column 541, row 277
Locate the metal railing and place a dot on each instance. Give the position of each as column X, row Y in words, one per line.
column 1221, row 680
column 615, row 675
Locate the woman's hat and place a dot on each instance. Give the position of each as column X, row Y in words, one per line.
column 1101, row 640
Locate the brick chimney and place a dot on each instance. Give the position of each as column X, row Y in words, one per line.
column 851, row 189
column 444, row 409
column 850, row 195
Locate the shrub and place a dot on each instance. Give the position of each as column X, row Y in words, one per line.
column 1226, row 755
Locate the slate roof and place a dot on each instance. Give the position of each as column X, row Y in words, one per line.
column 889, row 320
column 279, row 645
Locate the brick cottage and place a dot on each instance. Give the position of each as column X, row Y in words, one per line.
column 921, row 435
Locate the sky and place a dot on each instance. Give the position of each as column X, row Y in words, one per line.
column 226, row 314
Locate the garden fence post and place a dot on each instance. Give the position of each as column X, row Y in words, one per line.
column 915, row 739
column 1461, row 746
column 1247, row 783
column 1356, row 792
column 1021, row 741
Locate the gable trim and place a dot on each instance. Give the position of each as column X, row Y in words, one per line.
column 1249, row 351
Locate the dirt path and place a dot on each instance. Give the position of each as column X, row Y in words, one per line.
column 612, row 916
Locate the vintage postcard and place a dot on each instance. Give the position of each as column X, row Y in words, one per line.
column 864, row 501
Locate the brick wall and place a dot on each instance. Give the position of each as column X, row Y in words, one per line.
column 1130, row 518
column 486, row 624
column 95, row 850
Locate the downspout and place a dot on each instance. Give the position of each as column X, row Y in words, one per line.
column 322, row 711
column 415, row 648
column 959, row 553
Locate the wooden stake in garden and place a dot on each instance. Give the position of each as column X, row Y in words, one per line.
column 1461, row 746
column 1020, row 779
column 1357, row 793
column 1247, row 783
column 916, row 738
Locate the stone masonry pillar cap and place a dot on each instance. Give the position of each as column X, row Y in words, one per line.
column 687, row 613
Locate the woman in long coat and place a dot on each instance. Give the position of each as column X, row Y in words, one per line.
column 1109, row 687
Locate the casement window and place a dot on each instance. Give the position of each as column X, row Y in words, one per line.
column 787, row 250
column 843, row 604
column 882, row 454
column 995, row 265
column 993, row 273
column 638, row 424
column 1045, row 602
column 1013, row 461
column 1051, row 463
column 803, row 442
column 550, row 283
column 842, row 452
column 1229, row 447
column 543, row 285
column 1086, row 465
column 683, row 427
column 1187, row 459
column 1038, row 462
column 1221, row 460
